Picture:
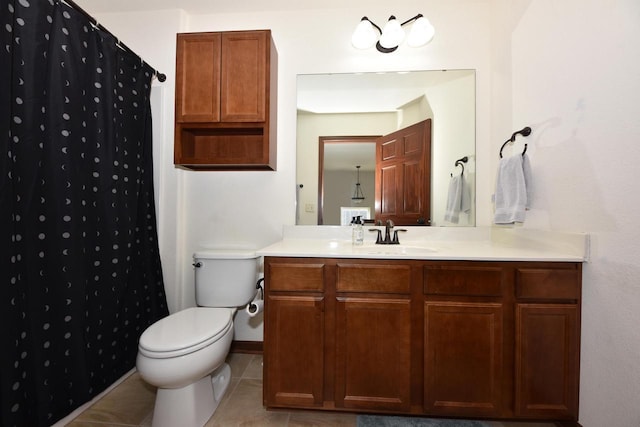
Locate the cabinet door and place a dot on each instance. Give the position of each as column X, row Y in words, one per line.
column 244, row 76
column 294, row 361
column 373, row 363
column 463, row 356
column 403, row 160
column 547, row 360
column 198, row 78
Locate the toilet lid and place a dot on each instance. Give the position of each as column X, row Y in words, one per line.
column 185, row 331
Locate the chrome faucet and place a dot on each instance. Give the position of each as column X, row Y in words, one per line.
column 388, row 229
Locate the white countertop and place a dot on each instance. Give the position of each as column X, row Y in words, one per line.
column 435, row 243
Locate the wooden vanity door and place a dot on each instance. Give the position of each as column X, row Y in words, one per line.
column 463, row 358
column 373, row 354
column 294, row 333
column 547, row 341
column 294, row 365
column 547, row 361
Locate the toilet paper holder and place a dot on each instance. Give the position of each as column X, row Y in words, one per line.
column 257, row 304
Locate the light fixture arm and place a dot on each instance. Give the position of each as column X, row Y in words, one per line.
column 364, row 18
column 415, row 18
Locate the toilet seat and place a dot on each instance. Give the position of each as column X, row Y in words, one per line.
column 185, row 332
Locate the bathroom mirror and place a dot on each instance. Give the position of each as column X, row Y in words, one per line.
column 349, row 105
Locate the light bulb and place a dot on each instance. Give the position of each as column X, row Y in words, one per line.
column 421, row 32
column 392, row 34
column 364, row 36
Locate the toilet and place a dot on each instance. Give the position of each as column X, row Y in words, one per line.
column 184, row 354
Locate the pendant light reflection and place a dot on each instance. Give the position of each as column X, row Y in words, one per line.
column 358, row 195
column 387, row 39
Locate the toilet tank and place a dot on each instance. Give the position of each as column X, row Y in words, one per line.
column 225, row 277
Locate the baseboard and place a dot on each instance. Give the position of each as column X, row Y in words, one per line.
column 250, row 347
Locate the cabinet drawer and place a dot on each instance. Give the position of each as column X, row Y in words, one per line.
column 548, row 283
column 296, row 277
column 373, row 278
column 462, row 280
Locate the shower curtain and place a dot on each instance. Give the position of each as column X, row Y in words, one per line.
column 80, row 273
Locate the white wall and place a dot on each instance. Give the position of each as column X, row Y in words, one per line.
column 568, row 69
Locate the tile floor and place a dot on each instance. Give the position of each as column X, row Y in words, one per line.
column 131, row 404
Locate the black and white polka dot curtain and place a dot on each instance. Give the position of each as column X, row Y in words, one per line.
column 80, row 274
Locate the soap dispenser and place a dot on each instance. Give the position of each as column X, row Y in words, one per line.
column 358, row 232
column 352, row 224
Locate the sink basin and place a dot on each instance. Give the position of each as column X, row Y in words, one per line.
column 393, row 250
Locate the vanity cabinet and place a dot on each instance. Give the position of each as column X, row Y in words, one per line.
column 225, row 100
column 475, row 339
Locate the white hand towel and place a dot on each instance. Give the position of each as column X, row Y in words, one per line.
column 458, row 199
column 512, row 189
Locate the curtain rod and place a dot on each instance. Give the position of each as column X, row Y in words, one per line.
column 161, row 77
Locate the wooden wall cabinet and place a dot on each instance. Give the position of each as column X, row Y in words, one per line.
column 225, row 111
column 493, row 340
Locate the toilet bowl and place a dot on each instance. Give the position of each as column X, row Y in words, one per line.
column 184, row 354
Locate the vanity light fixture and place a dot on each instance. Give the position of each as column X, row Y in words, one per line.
column 358, row 195
column 387, row 39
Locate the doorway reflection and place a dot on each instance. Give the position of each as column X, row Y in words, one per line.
column 338, row 158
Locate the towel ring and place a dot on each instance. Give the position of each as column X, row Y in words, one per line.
column 526, row 131
column 460, row 162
